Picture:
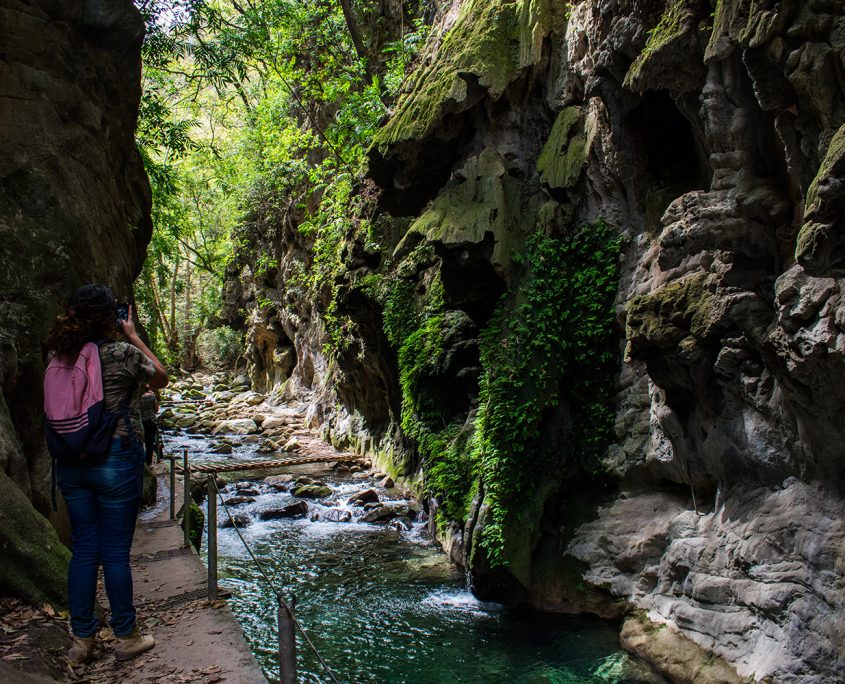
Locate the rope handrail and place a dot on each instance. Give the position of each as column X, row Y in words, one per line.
column 279, row 599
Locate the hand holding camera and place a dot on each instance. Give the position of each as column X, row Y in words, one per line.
column 125, row 321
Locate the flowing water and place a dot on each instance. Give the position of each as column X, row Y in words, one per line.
column 383, row 606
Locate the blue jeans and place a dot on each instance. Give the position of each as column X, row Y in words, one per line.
column 102, row 500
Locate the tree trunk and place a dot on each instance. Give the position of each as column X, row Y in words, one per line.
column 357, row 39
column 173, row 340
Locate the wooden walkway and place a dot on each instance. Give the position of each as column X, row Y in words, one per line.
column 237, row 466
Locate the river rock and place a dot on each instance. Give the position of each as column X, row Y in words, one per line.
column 364, row 497
column 238, row 426
column 242, row 381
column 273, row 422
column 294, row 510
column 336, row 515
column 400, row 523
column 293, row 444
column 387, row 483
column 279, row 482
column 360, row 476
column 313, row 491
column 193, row 394
column 247, row 489
column 222, row 448
column 238, row 500
column 186, row 421
column 240, row 519
column 386, row 513
column 305, row 480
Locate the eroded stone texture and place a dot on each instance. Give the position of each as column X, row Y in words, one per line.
column 74, row 199
column 712, row 141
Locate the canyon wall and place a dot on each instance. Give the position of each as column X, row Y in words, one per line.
column 664, row 450
column 74, row 208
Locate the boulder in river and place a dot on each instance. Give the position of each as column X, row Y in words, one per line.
column 313, row 491
column 242, row 381
column 272, row 422
column 238, row 500
column 363, row 497
column 222, row 448
column 387, row 483
column 386, row 513
column 240, row 519
column 336, row 515
column 294, row 510
column 238, row 426
column 279, row 482
column 247, row 491
column 293, row 444
column 186, row 421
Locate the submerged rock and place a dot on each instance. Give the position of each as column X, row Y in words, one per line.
column 238, row 500
column 386, row 513
column 240, row 520
column 237, row 426
column 364, row 497
column 313, row 491
column 294, row 510
column 335, row 515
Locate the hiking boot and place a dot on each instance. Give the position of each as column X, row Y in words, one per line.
column 81, row 649
column 132, row 645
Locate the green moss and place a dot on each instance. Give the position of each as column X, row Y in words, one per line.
column 749, row 23
column 815, row 242
column 487, row 200
column 443, row 448
column 663, row 319
column 492, row 40
column 670, row 27
column 33, row 562
column 552, row 341
column 563, row 157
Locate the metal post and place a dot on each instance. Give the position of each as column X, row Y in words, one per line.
column 186, row 504
column 287, row 644
column 172, row 488
column 211, row 524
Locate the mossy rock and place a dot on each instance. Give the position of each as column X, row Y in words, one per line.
column 565, row 152
column 661, row 320
column 485, row 201
column 671, row 57
column 749, row 23
column 33, row 562
column 314, row 491
column 150, row 487
column 819, row 244
column 492, row 40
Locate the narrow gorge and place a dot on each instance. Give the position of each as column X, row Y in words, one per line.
column 584, row 300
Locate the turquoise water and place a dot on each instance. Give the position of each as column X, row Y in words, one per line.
column 384, row 606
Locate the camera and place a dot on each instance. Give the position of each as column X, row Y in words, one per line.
column 122, row 314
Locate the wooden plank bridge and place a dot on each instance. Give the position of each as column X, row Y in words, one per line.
column 235, row 466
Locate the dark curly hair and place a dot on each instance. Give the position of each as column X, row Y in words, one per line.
column 90, row 314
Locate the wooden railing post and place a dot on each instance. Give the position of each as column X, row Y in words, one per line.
column 211, row 523
column 186, row 504
column 287, row 644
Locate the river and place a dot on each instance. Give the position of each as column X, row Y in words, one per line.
column 382, row 605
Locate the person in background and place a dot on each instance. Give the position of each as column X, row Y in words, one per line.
column 149, row 409
column 103, row 494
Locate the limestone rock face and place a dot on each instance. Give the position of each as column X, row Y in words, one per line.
column 712, row 141
column 74, row 199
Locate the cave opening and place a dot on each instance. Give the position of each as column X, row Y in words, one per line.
column 675, row 163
